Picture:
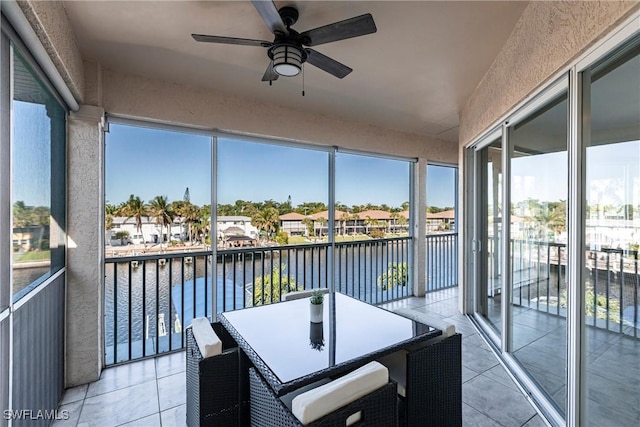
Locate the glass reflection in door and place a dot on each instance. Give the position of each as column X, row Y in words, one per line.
column 538, row 250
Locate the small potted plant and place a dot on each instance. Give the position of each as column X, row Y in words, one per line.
column 317, row 298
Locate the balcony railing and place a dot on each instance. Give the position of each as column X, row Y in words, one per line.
column 442, row 261
column 150, row 298
column 610, row 289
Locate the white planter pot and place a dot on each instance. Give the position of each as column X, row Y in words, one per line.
column 316, row 312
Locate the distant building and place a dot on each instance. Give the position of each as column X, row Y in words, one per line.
column 236, row 225
column 151, row 232
column 292, row 224
column 441, row 221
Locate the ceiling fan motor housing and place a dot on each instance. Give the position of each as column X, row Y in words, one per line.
column 289, row 15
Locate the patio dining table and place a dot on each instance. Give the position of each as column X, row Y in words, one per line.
column 290, row 352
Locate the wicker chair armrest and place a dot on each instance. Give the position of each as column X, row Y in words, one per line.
column 224, row 335
column 379, row 408
column 212, row 386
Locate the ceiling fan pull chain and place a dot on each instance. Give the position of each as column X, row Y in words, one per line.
column 302, row 79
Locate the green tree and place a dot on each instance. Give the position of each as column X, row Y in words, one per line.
column 282, row 238
column 371, row 223
column 402, row 221
column 322, row 221
column 397, row 275
column 188, row 213
column 394, row 220
column 160, row 210
column 21, row 214
column 308, row 222
column 308, row 208
column 268, row 288
column 135, row 208
column 344, row 218
column 121, row 235
column 267, row 220
column 109, row 212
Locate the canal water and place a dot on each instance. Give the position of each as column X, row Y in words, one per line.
column 144, row 289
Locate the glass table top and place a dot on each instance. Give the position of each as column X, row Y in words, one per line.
column 292, row 347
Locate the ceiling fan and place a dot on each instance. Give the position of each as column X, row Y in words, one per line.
column 287, row 51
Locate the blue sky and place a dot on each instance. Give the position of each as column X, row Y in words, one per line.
column 32, row 135
column 149, row 162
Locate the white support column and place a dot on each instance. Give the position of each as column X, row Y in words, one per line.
column 85, row 254
column 419, row 218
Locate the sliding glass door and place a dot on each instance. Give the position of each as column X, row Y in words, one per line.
column 538, row 183
column 554, row 214
column 488, row 160
column 611, row 285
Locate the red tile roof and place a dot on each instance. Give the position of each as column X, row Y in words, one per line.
column 374, row 214
column 325, row 215
column 292, row 216
column 450, row 214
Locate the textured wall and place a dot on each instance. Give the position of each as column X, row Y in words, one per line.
column 85, row 222
column 49, row 20
column 136, row 96
column 547, row 36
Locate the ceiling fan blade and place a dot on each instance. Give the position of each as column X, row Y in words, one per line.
column 269, row 13
column 230, row 40
column 327, row 64
column 354, row 27
column 269, row 74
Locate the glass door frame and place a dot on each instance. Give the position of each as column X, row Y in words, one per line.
column 479, row 231
column 502, row 343
column 575, row 75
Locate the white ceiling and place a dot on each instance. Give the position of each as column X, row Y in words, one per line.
column 414, row 74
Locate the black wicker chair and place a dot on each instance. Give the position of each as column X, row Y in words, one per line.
column 433, row 383
column 216, row 395
column 378, row 408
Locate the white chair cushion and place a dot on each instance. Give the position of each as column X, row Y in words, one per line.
column 289, row 296
column 315, row 404
column 428, row 319
column 206, row 338
column 397, row 365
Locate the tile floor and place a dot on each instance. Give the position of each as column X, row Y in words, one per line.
column 152, row 392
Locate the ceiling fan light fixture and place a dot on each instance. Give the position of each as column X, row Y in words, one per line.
column 287, row 60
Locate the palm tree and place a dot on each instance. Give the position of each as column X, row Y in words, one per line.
column 394, row 220
column 370, row 222
column 191, row 215
column 136, row 209
column 267, row 220
column 322, row 221
column 109, row 212
column 20, row 214
column 188, row 213
column 344, row 218
column 402, row 221
column 159, row 209
column 308, row 222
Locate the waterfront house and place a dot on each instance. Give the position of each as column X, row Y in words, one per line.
column 536, row 103
column 236, row 225
column 292, row 224
column 150, row 231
